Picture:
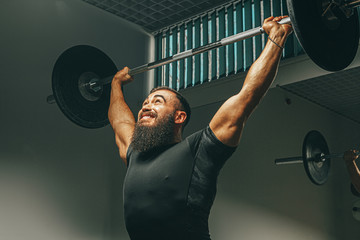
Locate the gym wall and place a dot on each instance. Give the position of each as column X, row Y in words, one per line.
column 58, row 180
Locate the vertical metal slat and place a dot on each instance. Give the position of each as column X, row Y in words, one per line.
column 248, row 42
column 276, row 7
column 239, row 46
column 297, row 47
column 158, row 55
column 289, row 49
column 205, row 55
column 267, row 13
column 230, row 48
column 189, row 45
column 197, row 39
column 167, row 54
column 182, row 61
column 174, row 65
column 222, row 57
column 257, row 22
column 213, row 52
column 277, row 10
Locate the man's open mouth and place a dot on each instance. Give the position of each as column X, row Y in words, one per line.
column 147, row 116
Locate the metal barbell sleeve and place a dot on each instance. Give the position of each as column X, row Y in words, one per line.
column 322, row 157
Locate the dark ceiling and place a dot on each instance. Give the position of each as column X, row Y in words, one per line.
column 338, row 92
column 153, row 15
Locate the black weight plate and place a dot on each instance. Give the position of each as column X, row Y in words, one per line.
column 331, row 46
column 68, row 68
column 314, row 144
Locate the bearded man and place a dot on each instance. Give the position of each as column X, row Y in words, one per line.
column 170, row 184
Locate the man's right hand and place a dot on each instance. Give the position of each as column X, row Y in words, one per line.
column 276, row 30
column 122, row 77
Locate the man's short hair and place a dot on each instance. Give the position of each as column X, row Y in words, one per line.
column 183, row 102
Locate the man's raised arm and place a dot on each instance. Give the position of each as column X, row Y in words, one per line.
column 120, row 116
column 228, row 122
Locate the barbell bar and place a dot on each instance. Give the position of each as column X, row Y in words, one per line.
column 299, row 159
column 352, row 4
column 95, row 83
column 315, row 157
column 328, row 31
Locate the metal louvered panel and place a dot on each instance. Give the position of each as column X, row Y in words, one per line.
column 235, row 17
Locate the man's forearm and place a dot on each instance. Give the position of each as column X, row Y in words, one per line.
column 264, row 70
column 260, row 76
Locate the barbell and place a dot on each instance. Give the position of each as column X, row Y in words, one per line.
column 327, row 30
column 315, row 157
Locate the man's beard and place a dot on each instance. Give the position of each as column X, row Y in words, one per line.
column 146, row 138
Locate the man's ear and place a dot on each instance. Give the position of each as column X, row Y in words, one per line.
column 180, row 117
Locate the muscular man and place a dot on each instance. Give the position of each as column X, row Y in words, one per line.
column 170, row 184
column 349, row 157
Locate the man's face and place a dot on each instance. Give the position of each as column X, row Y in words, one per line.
column 158, row 105
column 156, row 121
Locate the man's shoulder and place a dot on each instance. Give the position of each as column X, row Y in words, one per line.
column 204, row 133
column 207, row 140
column 196, row 135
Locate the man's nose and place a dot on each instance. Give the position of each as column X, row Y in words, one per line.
column 146, row 107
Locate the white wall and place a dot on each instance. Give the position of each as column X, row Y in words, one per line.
column 58, row 180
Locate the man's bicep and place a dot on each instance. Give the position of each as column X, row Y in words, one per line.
column 123, row 135
column 228, row 122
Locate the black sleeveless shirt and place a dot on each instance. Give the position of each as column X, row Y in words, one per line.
column 169, row 191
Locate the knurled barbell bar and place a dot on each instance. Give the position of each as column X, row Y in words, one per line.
column 96, row 84
column 328, row 31
column 315, row 157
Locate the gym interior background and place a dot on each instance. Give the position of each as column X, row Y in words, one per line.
column 62, row 181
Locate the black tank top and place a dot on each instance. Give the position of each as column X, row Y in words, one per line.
column 169, row 191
